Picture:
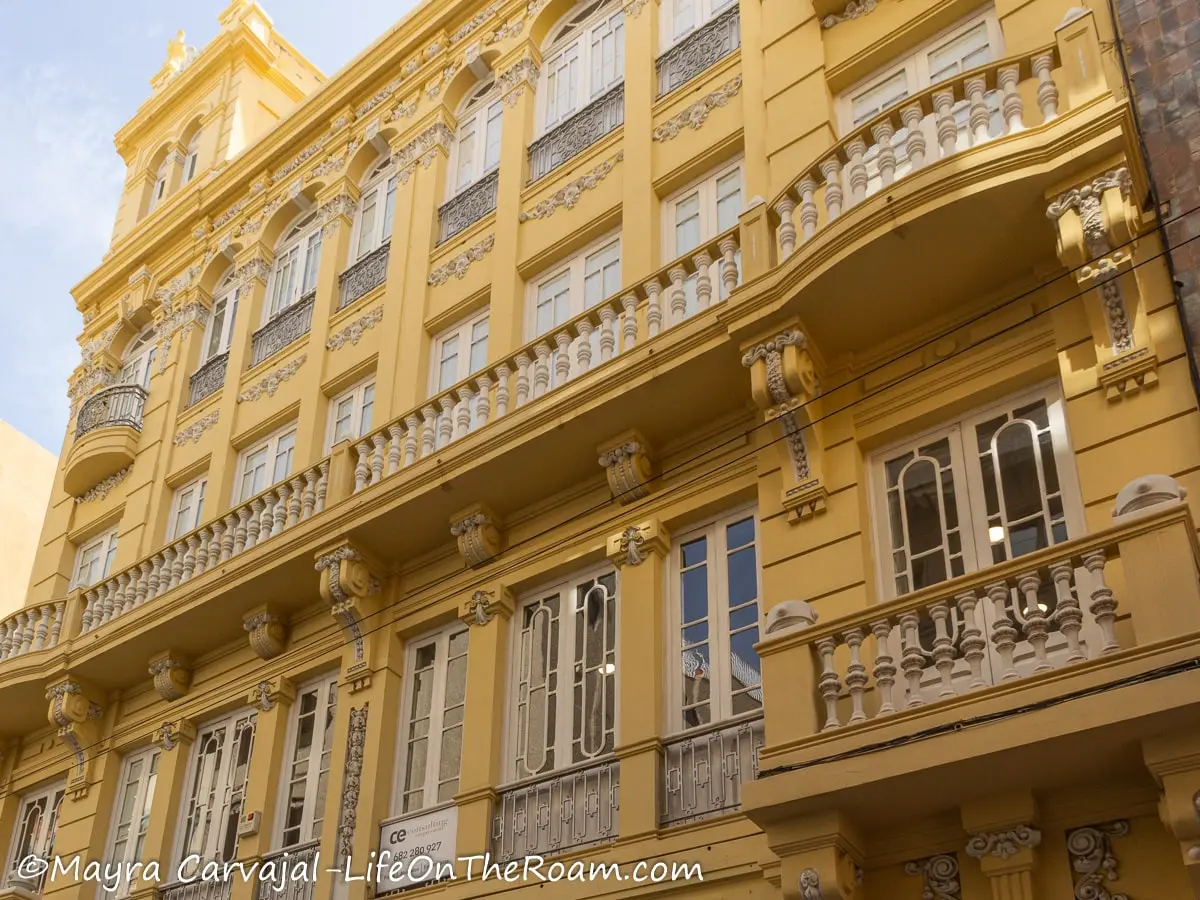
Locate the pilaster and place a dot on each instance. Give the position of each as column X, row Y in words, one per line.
column 640, row 205
column 754, row 108
column 1173, row 758
column 1004, row 840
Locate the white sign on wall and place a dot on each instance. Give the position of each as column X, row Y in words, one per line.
column 414, row 848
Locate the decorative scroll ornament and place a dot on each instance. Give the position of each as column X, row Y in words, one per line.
column 509, row 29
column 853, row 10
column 334, row 163
column 75, row 716
column 634, row 8
column 346, row 581
column 267, row 632
column 1093, row 859
column 696, row 115
column 568, row 195
column 438, row 135
column 196, row 430
column 458, row 266
column 299, row 159
column 181, row 321
column 403, row 110
column 166, row 295
column 255, row 268
column 478, row 535
column 172, row 676
column 627, row 466
column 270, row 692
column 632, row 543
column 1003, row 844
column 356, row 741
column 513, row 80
column 479, row 606
column 941, row 876
column 103, row 488
column 331, row 213
column 810, row 885
column 353, row 332
column 476, row 21
column 269, row 384
column 170, row 735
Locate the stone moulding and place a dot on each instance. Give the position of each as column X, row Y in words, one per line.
column 458, row 266
column 269, row 384
column 568, row 195
column 696, row 115
column 353, row 332
column 854, row 10
column 196, row 430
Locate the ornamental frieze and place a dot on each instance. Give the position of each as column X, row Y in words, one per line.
column 696, row 115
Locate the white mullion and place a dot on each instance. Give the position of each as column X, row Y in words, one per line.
column 718, row 616
column 437, row 710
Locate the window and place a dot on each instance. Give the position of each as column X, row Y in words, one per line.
column 131, row 813
column 576, row 285
column 431, row 742
column 477, row 144
column 35, row 826
column 219, row 331
column 585, row 57
column 350, row 413
column 139, row 358
column 215, row 789
column 296, row 262
column 159, row 190
column 271, row 459
column 376, row 207
column 187, row 506
column 682, row 17
column 310, row 746
column 715, row 611
column 696, row 215
column 459, row 352
column 94, row 559
column 564, row 698
column 191, row 158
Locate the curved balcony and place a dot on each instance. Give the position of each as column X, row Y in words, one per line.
column 107, row 431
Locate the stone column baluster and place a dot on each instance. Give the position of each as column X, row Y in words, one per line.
column 583, row 349
column 56, row 623
column 914, row 141
column 831, row 171
column 947, row 128
column 412, row 428
column 155, row 583
column 856, row 675
column 362, row 468
column 143, row 583
column 6, row 639
column 171, row 571
column 42, row 629
column 322, row 489
column 973, row 644
column 704, row 278
column 1011, row 105
column 1067, row 613
column 541, row 370
column 883, row 133
column 1004, row 632
column 295, row 501
column 729, row 267
column 562, row 358
column 828, row 684
column 395, row 436
column 203, row 537
column 1047, row 90
column 378, row 452
column 677, row 274
column 912, row 659
column 856, row 170
column 240, row 532
column 229, row 538
column 1036, row 623
column 653, row 307
column 428, row 431
column 884, row 670
column 254, row 524
column 445, row 421
column 27, row 632
column 192, row 543
column 462, row 412
column 283, row 501
column 308, row 500
column 1103, row 606
column 85, row 623
column 787, row 228
column 266, row 527
column 483, row 400
column 979, row 116
column 214, row 552
column 503, row 373
column 807, row 189
column 608, row 333
column 943, row 648
column 523, row 378
column 629, row 323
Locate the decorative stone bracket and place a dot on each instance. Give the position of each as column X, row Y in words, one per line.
column 633, row 545
column 477, row 530
column 783, row 382
column 77, row 717
column 626, row 460
column 267, row 631
column 350, row 583
column 486, row 603
column 270, row 692
column 825, row 869
column 177, row 733
column 172, row 675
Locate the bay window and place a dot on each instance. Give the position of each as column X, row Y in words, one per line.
column 270, row 458
column 297, row 259
column 585, row 56
column 187, row 506
column 310, row 749
column 350, row 413
column 131, row 814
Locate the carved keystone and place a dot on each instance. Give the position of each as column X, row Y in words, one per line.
column 486, row 603
column 271, row 691
column 169, row 735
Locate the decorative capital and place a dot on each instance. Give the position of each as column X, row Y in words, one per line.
column 172, row 675
column 477, row 530
column 941, row 876
column 513, row 80
column 1003, row 844
column 267, row 631
column 1093, row 218
column 170, row 735
column 269, row 692
column 626, row 462
column 1093, row 859
column 486, row 603
column 76, row 715
column 633, row 545
column 810, row 885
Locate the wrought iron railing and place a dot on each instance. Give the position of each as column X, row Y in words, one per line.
column 289, row 325
column 287, row 885
column 704, row 770
column 563, row 811
column 574, row 135
column 364, row 276
column 208, row 379
column 469, row 206
column 121, row 404
column 200, row 889
column 699, row 50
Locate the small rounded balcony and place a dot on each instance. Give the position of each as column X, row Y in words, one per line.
column 106, row 436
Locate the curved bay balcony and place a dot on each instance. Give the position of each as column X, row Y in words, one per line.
column 107, row 431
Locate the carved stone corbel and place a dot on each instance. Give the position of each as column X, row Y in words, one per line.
column 626, row 460
column 633, row 545
column 486, row 603
column 172, row 675
column 77, row 716
column 177, row 733
column 267, row 631
column 783, row 382
column 270, row 692
column 350, row 584
column 477, row 530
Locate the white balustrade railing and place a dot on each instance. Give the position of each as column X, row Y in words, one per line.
column 294, row 873
column 943, row 120
column 553, row 813
column 31, row 629
column 687, row 286
column 704, row 770
column 295, row 499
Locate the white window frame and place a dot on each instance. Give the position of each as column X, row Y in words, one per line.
column 299, row 255
column 187, row 508
column 158, row 192
column 190, row 159
column 105, row 550
column 139, row 815
column 378, row 197
column 563, row 739
column 571, row 42
column 706, row 189
column 576, row 268
column 468, row 339
column 719, row 630
column 362, row 400
column 52, row 794
column 138, row 361
column 274, row 454
column 432, row 782
column 481, row 112
column 680, row 18
column 218, row 332
column 324, row 690
column 225, row 792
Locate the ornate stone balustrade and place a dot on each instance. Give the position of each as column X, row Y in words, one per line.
column 554, row 813
column 121, row 404
column 208, row 379
column 364, row 276
column 703, row 771
column 285, row 888
column 702, row 48
column 295, row 499
column 468, row 207
column 578, row 132
column 639, row 313
column 289, row 325
column 31, row 629
column 941, row 121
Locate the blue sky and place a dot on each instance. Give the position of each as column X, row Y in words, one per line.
column 71, row 73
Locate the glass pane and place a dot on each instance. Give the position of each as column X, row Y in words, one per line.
column 448, row 367
column 366, row 228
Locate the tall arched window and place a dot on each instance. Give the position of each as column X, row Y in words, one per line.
column 373, row 227
column 297, row 257
column 477, row 144
column 585, row 56
column 139, row 359
column 219, row 331
column 191, row 157
column 159, row 191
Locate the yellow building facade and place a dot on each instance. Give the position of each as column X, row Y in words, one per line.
column 752, row 435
